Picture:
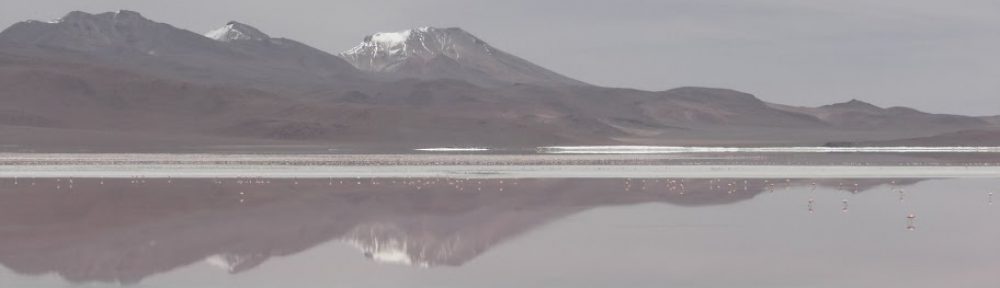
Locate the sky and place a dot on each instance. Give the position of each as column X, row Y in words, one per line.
column 933, row 55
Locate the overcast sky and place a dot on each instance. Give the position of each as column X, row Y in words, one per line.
column 934, row 55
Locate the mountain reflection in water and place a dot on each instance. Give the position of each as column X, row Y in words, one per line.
column 126, row 230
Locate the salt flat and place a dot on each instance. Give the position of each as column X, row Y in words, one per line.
column 718, row 165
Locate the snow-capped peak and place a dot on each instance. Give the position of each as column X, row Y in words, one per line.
column 389, row 39
column 429, row 52
column 425, row 42
column 424, row 35
column 236, row 31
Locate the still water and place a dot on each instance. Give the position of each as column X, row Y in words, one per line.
column 499, row 233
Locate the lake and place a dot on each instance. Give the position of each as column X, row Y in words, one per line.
column 461, row 231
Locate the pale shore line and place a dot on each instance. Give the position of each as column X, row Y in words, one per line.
column 807, row 149
column 495, row 172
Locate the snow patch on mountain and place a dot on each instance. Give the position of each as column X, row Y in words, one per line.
column 451, row 53
column 386, row 52
column 236, row 31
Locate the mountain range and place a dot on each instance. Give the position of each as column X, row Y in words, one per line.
column 118, row 81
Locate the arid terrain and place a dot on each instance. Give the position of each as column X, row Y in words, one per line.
column 119, row 82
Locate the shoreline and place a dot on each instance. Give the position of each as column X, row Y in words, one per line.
column 495, row 172
column 447, row 165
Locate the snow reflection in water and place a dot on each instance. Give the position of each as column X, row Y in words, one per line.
column 165, row 232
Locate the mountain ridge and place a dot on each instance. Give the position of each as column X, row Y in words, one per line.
column 128, row 40
column 96, row 72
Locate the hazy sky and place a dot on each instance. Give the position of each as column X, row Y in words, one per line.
column 935, row 55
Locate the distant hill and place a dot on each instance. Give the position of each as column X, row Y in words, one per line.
column 961, row 138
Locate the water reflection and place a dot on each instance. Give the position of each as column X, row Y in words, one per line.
column 910, row 225
column 125, row 230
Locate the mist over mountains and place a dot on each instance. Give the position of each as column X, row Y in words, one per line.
column 117, row 81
